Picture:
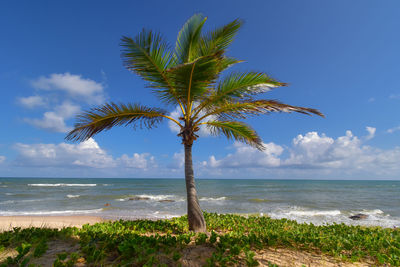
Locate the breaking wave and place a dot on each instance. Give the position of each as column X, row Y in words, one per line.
column 56, row 185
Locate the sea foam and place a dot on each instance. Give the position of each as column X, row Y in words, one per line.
column 49, row 212
column 56, row 185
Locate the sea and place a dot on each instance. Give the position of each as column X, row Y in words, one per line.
column 306, row 201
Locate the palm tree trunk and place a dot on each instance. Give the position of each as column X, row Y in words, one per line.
column 195, row 215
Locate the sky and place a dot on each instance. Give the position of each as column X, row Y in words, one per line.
column 59, row 58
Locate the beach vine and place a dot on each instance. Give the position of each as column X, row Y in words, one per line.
column 231, row 240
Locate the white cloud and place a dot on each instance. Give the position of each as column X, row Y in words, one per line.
column 2, row 159
column 309, row 148
column 86, row 154
column 249, row 157
column 73, row 85
column 371, row 132
column 50, row 121
column 139, row 161
column 54, row 121
column 61, row 106
column 394, row 129
column 32, row 101
column 67, row 110
column 175, row 115
column 313, row 153
column 178, row 160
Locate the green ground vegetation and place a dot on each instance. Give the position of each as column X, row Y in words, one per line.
column 233, row 238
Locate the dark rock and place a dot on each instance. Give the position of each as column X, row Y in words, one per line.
column 359, row 216
column 139, row 198
column 167, row 200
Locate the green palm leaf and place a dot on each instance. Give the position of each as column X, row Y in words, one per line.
column 109, row 115
column 233, row 110
column 238, row 86
column 220, row 38
column 193, row 79
column 188, row 39
column 235, row 130
column 148, row 56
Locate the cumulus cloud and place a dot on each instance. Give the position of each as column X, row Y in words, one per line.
column 32, row 101
column 371, row 132
column 54, row 121
column 175, row 114
column 62, row 95
column 86, row 154
column 249, row 157
column 178, row 160
column 313, row 151
column 2, row 159
column 139, row 161
column 73, row 85
column 50, row 121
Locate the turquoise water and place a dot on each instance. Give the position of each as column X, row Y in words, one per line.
column 313, row 201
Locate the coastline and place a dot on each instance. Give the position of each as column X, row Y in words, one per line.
column 7, row 223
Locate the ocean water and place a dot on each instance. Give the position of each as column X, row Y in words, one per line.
column 310, row 201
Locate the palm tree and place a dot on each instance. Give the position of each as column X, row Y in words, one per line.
column 189, row 77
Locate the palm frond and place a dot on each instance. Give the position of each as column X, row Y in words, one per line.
column 235, row 130
column 220, row 38
column 148, row 56
column 188, row 39
column 193, row 79
column 239, row 86
column 227, row 62
column 109, row 115
column 234, row 110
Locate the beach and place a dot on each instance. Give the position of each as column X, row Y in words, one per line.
column 7, row 223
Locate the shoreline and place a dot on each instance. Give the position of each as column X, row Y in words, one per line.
column 7, row 223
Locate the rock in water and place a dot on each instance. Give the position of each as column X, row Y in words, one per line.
column 359, row 216
column 167, row 200
column 139, row 198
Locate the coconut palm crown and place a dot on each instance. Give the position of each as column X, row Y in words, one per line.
column 189, row 76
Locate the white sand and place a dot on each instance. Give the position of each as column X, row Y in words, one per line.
column 8, row 222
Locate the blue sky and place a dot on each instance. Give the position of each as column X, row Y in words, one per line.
column 342, row 57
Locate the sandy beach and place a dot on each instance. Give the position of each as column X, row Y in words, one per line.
column 8, row 222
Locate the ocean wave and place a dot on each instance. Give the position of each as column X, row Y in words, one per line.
column 73, row 196
column 259, row 200
column 20, row 201
column 48, row 212
column 157, row 197
column 212, row 198
column 9, row 194
column 314, row 212
column 56, row 185
column 371, row 212
column 146, row 197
